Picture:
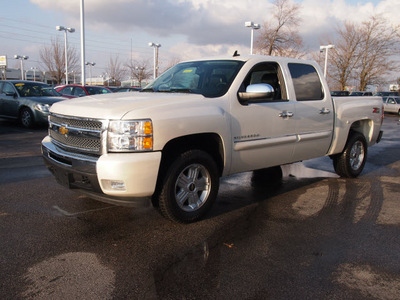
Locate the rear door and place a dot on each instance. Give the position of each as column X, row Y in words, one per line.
column 314, row 115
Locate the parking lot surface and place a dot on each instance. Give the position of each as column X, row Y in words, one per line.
column 307, row 235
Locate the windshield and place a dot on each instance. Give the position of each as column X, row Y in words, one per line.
column 210, row 78
column 34, row 89
column 94, row 90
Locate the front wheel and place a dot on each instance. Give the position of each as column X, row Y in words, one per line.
column 26, row 118
column 351, row 161
column 190, row 187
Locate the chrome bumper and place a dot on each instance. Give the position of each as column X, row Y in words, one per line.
column 78, row 172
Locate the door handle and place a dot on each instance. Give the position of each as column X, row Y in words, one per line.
column 324, row 111
column 286, row 114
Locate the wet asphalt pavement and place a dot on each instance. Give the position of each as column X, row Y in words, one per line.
column 309, row 235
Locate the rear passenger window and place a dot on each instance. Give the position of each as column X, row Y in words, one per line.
column 307, row 84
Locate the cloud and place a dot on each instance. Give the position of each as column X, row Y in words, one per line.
column 213, row 27
column 201, row 21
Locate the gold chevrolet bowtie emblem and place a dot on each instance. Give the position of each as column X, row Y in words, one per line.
column 63, row 130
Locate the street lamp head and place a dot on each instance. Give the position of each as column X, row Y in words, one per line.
column 21, row 57
column 69, row 29
column 326, row 47
column 252, row 25
column 154, row 45
column 90, row 63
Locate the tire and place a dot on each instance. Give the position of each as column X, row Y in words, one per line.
column 351, row 161
column 26, row 118
column 190, row 187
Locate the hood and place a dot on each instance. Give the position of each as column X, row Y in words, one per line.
column 116, row 105
column 45, row 100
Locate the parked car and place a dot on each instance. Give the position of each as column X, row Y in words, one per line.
column 27, row 101
column 391, row 104
column 386, row 94
column 113, row 88
column 75, row 90
column 361, row 93
column 340, row 93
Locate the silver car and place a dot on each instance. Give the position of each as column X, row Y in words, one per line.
column 27, row 101
column 391, row 104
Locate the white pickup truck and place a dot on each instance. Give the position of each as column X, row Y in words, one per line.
column 203, row 119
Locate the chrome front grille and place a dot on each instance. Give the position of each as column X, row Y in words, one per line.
column 77, row 134
column 77, row 123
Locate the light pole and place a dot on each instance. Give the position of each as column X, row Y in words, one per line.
column 90, row 64
column 326, row 48
column 34, row 73
column 156, row 46
column 253, row 27
column 21, row 57
column 61, row 28
column 83, row 74
column 73, row 74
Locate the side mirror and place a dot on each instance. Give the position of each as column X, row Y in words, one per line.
column 256, row 93
column 11, row 94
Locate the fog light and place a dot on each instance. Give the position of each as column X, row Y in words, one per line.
column 118, row 185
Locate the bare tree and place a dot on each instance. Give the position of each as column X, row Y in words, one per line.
column 279, row 36
column 115, row 70
column 345, row 56
column 378, row 45
column 363, row 53
column 139, row 70
column 53, row 60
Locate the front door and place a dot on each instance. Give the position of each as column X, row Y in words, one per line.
column 10, row 103
column 263, row 134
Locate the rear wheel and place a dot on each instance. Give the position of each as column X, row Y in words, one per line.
column 26, row 118
column 351, row 161
column 190, row 187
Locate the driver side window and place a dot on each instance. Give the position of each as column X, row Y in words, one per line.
column 8, row 88
column 269, row 73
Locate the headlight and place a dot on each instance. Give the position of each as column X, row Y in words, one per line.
column 132, row 136
column 42, row 107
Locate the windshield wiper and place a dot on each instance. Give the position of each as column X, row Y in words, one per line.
column 176, row 90
column 148, row 90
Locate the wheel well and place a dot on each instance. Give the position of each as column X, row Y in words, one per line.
column 365, row 127
column 21, row 108
column 210, row 143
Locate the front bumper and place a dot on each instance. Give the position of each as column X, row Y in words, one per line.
column 91, row 175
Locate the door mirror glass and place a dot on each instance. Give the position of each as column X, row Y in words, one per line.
column 256, row 93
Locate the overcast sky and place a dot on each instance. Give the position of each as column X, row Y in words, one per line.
column 186, row 29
